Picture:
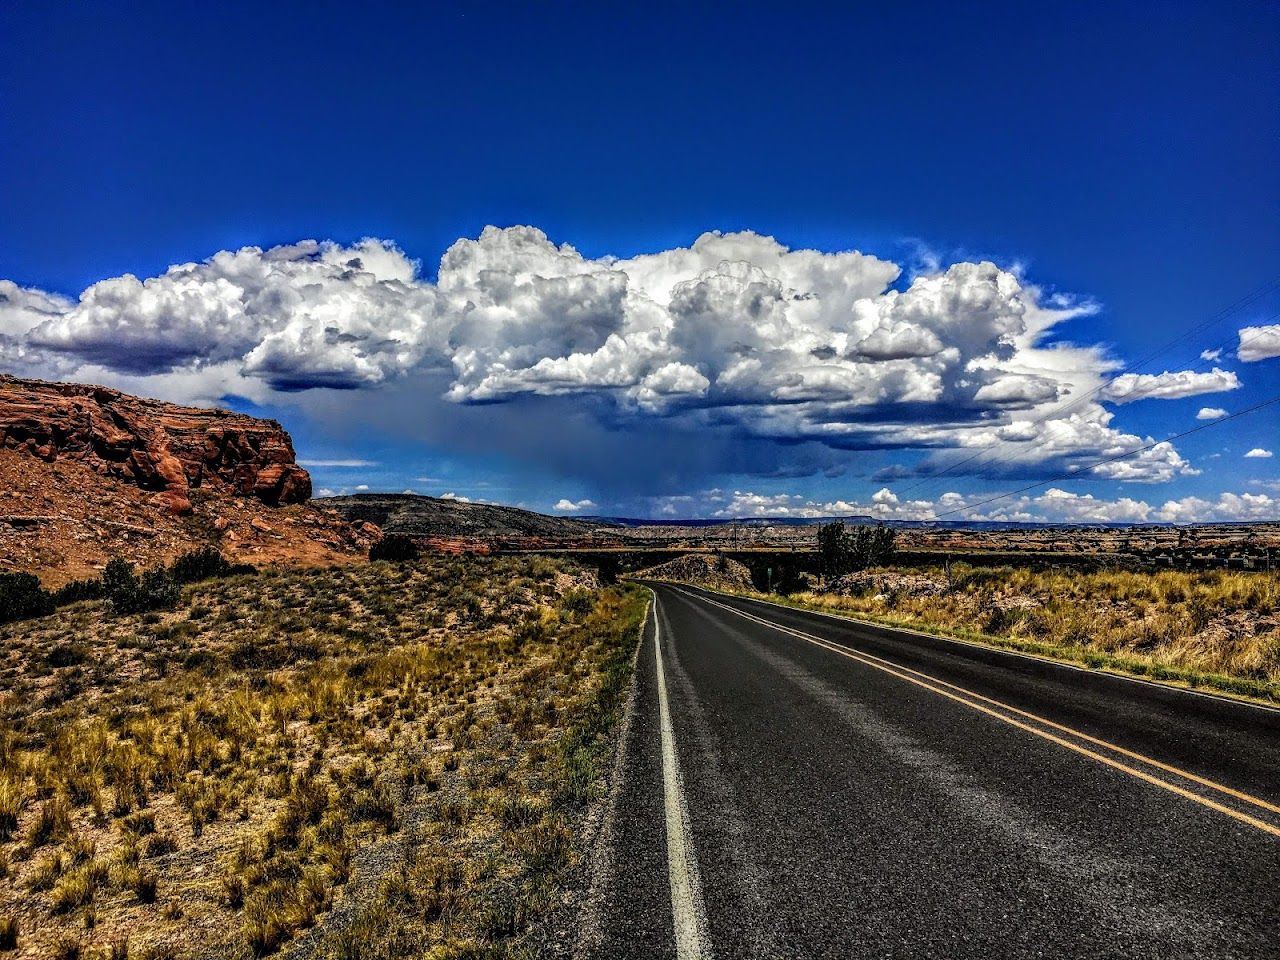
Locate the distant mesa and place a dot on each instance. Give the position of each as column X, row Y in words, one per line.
column 158, row 446
column 435, row 517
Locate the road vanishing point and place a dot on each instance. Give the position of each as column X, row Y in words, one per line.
column 792, row 784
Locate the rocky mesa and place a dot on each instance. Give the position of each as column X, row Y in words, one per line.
column 158, row 446
column 89, row 473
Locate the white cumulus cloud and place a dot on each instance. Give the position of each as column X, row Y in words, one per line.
column 1211, row 413
column 310, row 314
column 1228, row 506
column 734, row 332
column 1258, row 453
column 1169, row 385
column 1259, row 343
column 1054, row 505
column 569, row 506
column 884, row 505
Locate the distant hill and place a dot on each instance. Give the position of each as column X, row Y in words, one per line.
column 872, row 521
column 421, row 516
column 418, row 516
column 722, row 522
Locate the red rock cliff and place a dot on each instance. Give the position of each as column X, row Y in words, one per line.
column 159, row 446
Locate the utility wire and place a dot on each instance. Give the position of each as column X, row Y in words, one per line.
column 1130, row 368
column 1194, row 364
column 1106, row 460
column 1261, row 326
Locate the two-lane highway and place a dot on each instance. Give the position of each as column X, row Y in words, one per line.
column 794, row 785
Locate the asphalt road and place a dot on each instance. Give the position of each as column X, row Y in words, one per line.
column 840, row 790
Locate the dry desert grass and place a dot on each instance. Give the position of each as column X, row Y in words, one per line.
column 1215, row 629
column 361, row 761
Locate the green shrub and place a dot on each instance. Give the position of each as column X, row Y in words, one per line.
column 394, row 547
column 21, row 596
column 577, row 602
column 129, row 593
column 203, row 564
column 66, row 654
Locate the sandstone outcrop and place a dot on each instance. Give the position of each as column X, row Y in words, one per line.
column 160, row 447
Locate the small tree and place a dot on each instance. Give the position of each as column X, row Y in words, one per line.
column 130, row 593
column 874, row 546
column 118, row 578
column 395, row 547
column 847, row 549
column 21, row 596
column 835, row 549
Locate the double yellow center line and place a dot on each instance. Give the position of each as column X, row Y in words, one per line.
column 1042, row 727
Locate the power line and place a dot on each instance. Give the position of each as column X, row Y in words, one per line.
column 1130, row 368
column 1262, row 326
column 1243, row 340
column 1107, row 460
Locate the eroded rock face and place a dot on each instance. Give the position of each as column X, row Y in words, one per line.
column 159, row 446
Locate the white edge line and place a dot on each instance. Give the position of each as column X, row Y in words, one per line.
column 1159, row 685
column 687, row 913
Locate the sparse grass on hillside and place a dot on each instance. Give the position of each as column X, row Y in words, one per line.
column 1216, row 629
column 367, row 761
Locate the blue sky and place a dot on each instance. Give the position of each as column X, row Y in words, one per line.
column 1118, row 166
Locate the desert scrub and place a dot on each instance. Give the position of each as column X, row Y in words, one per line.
column 1219, row 629
column 496, row 827
column 215, row 778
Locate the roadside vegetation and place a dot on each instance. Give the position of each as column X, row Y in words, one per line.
column 23, row 597
column 1217, row 629
column 1214, row 629
column 844, row 549
column 378, row 760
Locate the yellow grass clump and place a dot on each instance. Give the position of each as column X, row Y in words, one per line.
column 415, row 741
column 1218, row 628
